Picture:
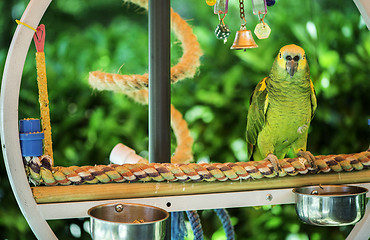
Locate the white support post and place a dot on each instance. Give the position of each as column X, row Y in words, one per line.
column 361, row 231
column 364, row 8
column 184, row 202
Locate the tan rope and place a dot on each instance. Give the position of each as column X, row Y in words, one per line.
column 183, row 152
column 135, row 86
column 41, row 172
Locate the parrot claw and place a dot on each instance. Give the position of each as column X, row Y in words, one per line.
column 310, row 158
column 275, row 162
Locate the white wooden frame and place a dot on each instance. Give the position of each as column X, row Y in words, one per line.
column 37, row 214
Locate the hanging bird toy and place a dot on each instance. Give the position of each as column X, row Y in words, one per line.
column 243, row 37
column 222, row 31
column 262, row 30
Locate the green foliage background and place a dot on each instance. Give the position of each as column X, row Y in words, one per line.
column 111, row 36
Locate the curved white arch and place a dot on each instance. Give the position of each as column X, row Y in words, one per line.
column 9, row 119
column 363, row 7
column 9, row 98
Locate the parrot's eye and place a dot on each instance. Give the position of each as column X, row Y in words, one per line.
column 296, row 58
column 279, row 54
column 288, row 58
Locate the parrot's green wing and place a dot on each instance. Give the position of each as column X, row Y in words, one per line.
column 313, row 100
column 256, row 114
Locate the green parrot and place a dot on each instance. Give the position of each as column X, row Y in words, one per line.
column 281, row 109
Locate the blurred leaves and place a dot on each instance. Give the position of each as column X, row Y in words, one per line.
column 84, row 36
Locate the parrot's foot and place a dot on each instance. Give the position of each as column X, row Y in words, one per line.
column 274, row 161
column 310, row 158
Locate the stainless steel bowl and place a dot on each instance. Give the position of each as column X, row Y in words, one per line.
column 330, row 205
column 127, row 221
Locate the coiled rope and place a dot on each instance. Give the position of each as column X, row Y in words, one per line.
column 42, row 173
column 196, row 226
column 178, row 228
column 226, row 223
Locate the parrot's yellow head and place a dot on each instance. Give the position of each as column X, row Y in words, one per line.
column 292, row 58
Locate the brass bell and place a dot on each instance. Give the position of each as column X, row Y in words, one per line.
column 243, row 40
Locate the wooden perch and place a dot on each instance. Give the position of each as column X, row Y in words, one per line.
column 54, row 194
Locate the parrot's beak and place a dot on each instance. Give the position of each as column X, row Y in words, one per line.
column 291, row 67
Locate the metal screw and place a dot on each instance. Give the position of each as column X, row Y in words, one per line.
column 269, row 197
column 119, row 208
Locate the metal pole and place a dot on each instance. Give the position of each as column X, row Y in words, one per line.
column 159, row 85
column 159, row 81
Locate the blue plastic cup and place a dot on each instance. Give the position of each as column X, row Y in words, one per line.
column 29, row 125
column 31, row 137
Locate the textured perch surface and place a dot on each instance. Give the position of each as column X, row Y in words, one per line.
column 92, row 192
column 127, row 180
column 41, row 172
